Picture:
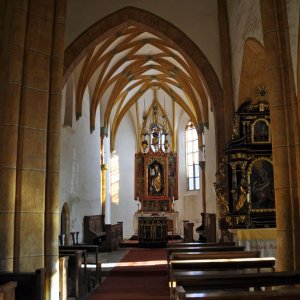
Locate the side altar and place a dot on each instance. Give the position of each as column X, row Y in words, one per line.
column 245, row 180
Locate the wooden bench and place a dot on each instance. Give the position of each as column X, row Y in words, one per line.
column 285, row 294
column 106, row 236
column 199, row 244
column 206, row 286
column 212, row 255
column 92, row 257
column 190, row 270
column 7, row 290
column 30, row 285
column 77, row 280
column 172, row 250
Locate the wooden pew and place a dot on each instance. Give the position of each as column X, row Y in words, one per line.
column 199, row 244
column 286, row 294
column 30, row 285
column 172, row 250
column 180, row 270
column 92, row 257
column 106, row 236
column 215, row 286
column 211, row 255
column 7, row 290
column 76, row 274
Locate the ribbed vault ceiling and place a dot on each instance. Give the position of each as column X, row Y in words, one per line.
column 121, row 71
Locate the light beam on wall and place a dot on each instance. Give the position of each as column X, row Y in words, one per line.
column 115, row 178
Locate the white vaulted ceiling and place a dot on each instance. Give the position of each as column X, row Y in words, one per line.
column 122, row 70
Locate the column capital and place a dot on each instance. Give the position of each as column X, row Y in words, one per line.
column 103, row 132
column 104, row 167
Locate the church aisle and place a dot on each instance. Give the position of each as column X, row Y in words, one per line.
column 141, row 275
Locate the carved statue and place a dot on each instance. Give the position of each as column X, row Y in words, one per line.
column 156, row 179
column 242, row 197
column 221, row 192
column 235, row 128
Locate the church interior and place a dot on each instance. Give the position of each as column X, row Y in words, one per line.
column 143, row 124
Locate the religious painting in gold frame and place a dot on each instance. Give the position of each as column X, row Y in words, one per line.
column 261, row 179
column 260, row 131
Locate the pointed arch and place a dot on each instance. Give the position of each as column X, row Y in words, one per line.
column 127, row 16
column 253, row 72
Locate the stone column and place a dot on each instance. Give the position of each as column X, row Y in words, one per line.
column 297, row 211
column 285, row 126
column 3, row 4
column 11, row 72
column 31, row 82
column 108, row 154
column 53, row 150
column 200, row 131
column 225, row 50
column 203, row 184
column 103, row 186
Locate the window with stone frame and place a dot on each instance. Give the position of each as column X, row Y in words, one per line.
column 192, row 157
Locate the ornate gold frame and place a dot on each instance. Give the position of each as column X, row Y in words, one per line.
column 269, row 131
column 249, row 172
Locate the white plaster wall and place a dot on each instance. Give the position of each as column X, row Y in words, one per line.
column 210, row 165
column 189, row 203
column 211, row 169
column 123, row 205
column 293, row 19
column 80, row 168
column 197, row 19
column 244, row 21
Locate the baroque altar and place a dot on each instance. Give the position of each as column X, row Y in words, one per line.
column 245, row 182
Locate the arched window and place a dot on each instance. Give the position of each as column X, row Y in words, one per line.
column 192, row 157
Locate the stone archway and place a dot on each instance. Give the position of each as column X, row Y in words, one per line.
column 148, row 21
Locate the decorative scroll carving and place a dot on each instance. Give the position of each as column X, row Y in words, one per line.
column 221, row 189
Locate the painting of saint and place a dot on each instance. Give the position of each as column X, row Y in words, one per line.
column 172, row 166
column 262, row 185
column 261, row 132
